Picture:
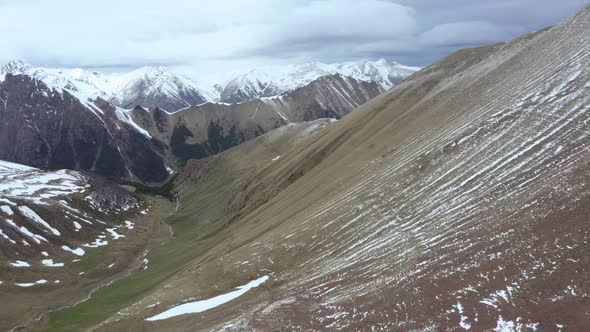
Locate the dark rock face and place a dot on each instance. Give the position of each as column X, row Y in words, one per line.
column 45, row 128
column 108, row 197
column 218, row 140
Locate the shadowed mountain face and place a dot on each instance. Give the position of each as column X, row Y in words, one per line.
column 457, row 200
column 44, row 128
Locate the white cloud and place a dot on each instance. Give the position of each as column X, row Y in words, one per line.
column 466, row 33
column 221, row 35
column 111, row 32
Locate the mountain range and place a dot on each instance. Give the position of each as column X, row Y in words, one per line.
column 273, row 81
column 161, row 87
column 71, row 118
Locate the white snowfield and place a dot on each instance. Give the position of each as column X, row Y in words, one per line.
column 77, row 251
column 31, row 184
column 20, row 264
column 200, row 306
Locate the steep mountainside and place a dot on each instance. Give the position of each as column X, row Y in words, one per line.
column 274, row 81
column 457, row 200
column 210, row 128
column 51, row 128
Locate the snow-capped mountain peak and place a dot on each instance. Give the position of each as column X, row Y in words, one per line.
column 385, row 72
column 276, row 80
column 83, row 84
column 14, row 67
column 157, row 86
column 146, row 86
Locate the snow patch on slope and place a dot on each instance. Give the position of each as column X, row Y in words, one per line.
column 124, row 116
column 200, row 306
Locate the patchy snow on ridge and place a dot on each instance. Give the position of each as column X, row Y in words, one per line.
column 31, row 184
column 29, row 213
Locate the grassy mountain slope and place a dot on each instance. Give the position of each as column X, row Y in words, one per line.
column 200, row 224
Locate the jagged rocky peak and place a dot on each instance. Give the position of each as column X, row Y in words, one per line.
column 14, row 67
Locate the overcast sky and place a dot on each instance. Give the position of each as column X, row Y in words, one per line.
column 220, row 36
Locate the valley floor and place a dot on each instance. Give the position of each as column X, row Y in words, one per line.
column 78, row 281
